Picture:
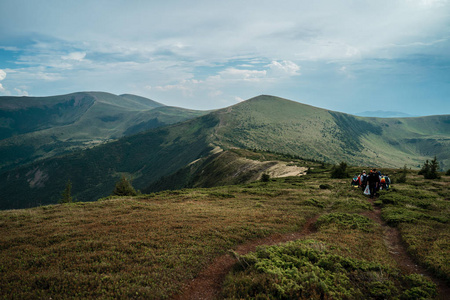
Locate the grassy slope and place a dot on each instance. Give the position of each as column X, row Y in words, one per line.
column 410, row 141
column 97, row 117
column 280, row 125
column 93, row 172
column 148, row 247
column 265, row 122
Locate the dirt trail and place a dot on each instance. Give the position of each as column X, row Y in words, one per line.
column 208, row 284
column 397, row 249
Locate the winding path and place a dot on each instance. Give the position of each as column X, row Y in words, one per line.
column 208, row 284
column 397, row 249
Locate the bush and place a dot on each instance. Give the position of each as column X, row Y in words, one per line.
column 448, row 172
column 265, row 177
column 340, row 171
column 124, row 188
column 325, row 186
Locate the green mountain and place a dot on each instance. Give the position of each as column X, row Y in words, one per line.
column 33, row 128
column 188, row 153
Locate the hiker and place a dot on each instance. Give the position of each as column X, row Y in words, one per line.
column 373, row 180
column 363, row 180
column 355, row 181
column 382, row 182
column 385, row 182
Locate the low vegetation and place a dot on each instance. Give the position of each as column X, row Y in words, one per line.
column 310, row 269
column 150, row 246
column 421, row 212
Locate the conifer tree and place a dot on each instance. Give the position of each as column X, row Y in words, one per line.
column 425, row 168
column 433, row 172
column 66, row 196
column 124, row 188
column 430, row 170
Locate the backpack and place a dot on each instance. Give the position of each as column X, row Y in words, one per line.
column 363, row 179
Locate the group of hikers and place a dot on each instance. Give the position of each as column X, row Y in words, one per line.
column 372, row 182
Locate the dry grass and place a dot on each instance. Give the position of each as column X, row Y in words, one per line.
column 149, row 246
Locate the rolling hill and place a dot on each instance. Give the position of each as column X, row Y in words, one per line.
column 33, row 128
column 188, row 153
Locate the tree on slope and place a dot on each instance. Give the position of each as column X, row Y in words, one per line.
column 430, row 170
column 66, row 196
column 124, row 188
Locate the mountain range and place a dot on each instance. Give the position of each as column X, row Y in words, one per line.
column 33, row 128
column 384, row 114
column 207, row 150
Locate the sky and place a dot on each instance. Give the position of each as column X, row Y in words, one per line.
column 348, row 56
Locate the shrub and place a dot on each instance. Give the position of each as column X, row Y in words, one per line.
column 448, row 172
column 265, row 177
column 325, row 186
column 124, row 188
column 340, row 171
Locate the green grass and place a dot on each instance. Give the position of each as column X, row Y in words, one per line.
column 421, row 209
column 149, row 246
column 310, row 269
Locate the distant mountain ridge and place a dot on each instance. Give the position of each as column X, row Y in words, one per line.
column 38, row 127
column 264, row 123
column 384, row 114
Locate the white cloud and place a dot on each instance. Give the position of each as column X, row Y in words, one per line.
column 2, row 89
column 240, row 74
column 76, row 56
column 21, row 92
column 2, row 74
column 238, row 99
column 284, row 68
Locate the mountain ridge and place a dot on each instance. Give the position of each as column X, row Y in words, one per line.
column 40, row 127
column 264, row 123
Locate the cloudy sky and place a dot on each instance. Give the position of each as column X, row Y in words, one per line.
column 349, row 56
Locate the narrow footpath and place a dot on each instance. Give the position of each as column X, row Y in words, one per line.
column 397, row 249
column 208, row 284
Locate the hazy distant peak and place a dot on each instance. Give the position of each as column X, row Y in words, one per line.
column 383, row 114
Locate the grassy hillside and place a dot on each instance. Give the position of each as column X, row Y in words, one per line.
column 36, row 128
column 145, row 157
column 152, row 246
column 275, row 124
column 262, row 123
